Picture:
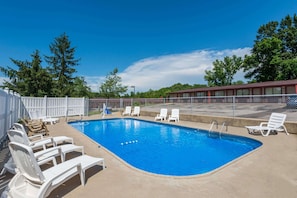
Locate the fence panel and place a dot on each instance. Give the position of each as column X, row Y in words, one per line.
column 247, row 106
column 55, row 107
column 10, row 109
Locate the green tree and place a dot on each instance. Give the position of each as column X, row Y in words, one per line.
column 223, row 71
column 61, row 65
column 30, row 79
column 80, row 88
column 263, row 64
column 164, row 92
column 274, row 54
column 112, row 87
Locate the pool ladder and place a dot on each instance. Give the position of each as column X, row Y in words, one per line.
column 215, row 123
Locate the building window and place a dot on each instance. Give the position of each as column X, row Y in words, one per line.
column 185, row 95
column 200, row 94
column 291, row 90
column 219, row 93
column 273, row 90
column 241, row 92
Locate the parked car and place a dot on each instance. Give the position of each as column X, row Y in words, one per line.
column 292, row 102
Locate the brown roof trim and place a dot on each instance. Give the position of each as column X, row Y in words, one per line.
column 243, row 86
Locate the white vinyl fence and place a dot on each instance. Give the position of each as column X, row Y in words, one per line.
column 56, row 107
column 13, row 107
column 10, row 111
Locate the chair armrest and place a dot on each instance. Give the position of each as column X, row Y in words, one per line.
column 263, row 123
column 31, row 138
column 43, row 139
column 46, row 160
column 49, row 150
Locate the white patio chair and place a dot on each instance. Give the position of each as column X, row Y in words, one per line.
column 62, row 150
column 39, row 140
column 127, row 111
column 174, row 115
column 275, row 123
column 162, row 115
column 31, row 181
column 8, row 166
column 136, row 111
column 35, row 115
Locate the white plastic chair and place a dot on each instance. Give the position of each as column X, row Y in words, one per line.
column 136, row 111
column 35, row 115
column 127, row 111
column 31, row 181
column 8, row 166
column 162, row 115
column 62, row 150
column 39, row 140
column 275, row 123
column 174, row 115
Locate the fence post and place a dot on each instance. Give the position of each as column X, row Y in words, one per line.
column 86, row 106
column 233, row 106
column 121, row 102
column 44, row 106
column 66, row 106
column 6, row 111
column 191, row 100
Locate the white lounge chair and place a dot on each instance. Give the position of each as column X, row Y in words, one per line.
column 41, row 155
column 35, row 115
column 31, row 181
column 127, row 111
column 174, row 115
column 39, row 140
column 162, row 115
column 8, row 166
column 62, row 150
column 275, row 123
column 136, row 111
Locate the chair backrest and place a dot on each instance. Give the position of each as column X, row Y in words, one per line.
column 128, row 109
column 26, row 163
column 19, row 127
column 175, row 113
column 163, row 112
column 18, row 136
column 276, row 120
column 136, row 110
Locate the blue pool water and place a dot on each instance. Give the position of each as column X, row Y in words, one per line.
column 166, row 149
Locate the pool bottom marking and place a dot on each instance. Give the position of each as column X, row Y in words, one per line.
column 129, row 142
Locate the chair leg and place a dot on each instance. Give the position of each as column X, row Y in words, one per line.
column 263, row 132
column 285, row 130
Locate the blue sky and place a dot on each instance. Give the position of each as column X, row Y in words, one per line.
column 153, row 43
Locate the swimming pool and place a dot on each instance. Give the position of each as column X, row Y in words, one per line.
column 166, row 149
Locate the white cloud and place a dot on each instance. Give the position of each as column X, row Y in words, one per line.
column 164, row 71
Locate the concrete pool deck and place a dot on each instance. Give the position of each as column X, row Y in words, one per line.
column 270, row 171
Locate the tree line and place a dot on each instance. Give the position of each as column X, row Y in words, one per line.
column 56, row 79
column 273, row 57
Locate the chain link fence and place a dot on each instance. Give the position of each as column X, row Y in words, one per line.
column 246, row 106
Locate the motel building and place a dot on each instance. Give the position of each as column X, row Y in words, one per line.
column 253, row 92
